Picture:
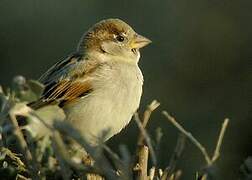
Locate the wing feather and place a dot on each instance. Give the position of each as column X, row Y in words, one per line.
column 66, row 81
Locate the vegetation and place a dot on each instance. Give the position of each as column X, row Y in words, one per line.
column 24, row 155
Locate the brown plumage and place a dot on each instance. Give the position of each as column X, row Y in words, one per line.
column 61, row 90
column 102, row 31
column 99, row 87
column 66, row 80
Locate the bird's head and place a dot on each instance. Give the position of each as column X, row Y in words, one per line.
column 115, row 39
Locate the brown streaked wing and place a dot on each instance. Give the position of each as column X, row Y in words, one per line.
column 61, row 69
column 63, row 85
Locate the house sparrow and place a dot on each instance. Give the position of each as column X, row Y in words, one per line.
column 100, row 85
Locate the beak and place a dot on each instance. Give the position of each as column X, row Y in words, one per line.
column 139, row 42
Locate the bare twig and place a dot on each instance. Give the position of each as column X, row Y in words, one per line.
column 174, row 158
column 204, row 177
column 178, row 174
column 220, row 139
column 142, row 150
column 189, row 136
column 177, row 151
column 123, row 165
column 143, row 163
column 152, row 173
column 1, row 89
column 146, row 137
column 146, row 116
column 142, row 125
column 21, row 177
column 116, row 159
column 147, row 113
column 216, row 154
column 159, row 135
column 94, row 177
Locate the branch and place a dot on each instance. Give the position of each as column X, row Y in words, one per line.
column 143, row 163
column 216, row 154
column 146, row 138
column 143, row 151
column 189, row 136
column 168, row 172
column 1, row 89
column 146, row 116
column 220, row 139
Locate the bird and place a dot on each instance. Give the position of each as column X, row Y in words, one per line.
column 99, row 86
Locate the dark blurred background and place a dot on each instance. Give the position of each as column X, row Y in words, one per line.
column 199, row 65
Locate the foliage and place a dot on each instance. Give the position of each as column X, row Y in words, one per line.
column 26, row 154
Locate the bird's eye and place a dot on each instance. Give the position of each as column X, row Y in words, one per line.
column 120, row 38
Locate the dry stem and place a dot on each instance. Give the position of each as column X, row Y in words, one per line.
column 189, row 135
column 220, row 139
column 143, row 163
column 168, row 172
column 146, row 137
column 216, row 154
column 143, row 151
column 146, row 116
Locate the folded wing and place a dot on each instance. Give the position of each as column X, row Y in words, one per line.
column 66, row 81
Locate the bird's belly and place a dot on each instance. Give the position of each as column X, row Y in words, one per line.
column 107, row 110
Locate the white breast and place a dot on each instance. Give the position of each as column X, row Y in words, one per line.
column 110, row 106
